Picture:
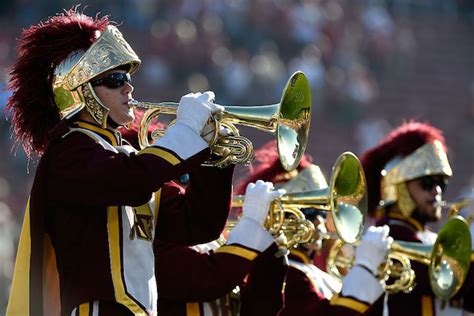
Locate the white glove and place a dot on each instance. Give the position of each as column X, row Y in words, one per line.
column 373, row 248
column 209, row 130
column 195, row 109
column 258, row 198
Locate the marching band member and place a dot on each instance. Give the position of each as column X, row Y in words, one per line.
column 86, row 241
column 407, row 173
column 200, row 280
column 204, row 279
column 308, row 290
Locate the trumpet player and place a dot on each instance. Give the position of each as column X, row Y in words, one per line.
column 407, row 173
column 86, row 241
column 308, row 290
column 205, row 278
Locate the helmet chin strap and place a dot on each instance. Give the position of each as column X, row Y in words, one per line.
column 112, row 123
column 404, row 200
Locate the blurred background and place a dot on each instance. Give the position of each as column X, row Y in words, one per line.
column 371, row 65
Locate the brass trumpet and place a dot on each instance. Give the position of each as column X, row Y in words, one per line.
column 448, row 260
column 456, row 206
column 288, row 121
column 345, row 198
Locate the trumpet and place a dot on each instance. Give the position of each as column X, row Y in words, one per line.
column 456, row 206
column 345, row 198
column 288, row 121
column 448, row 261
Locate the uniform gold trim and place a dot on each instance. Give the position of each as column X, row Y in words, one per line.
column 160, row 153
column 108, row 134
column 157, row 205
column 238, row 251
column 300, row 255
column 84, row 309
column 192, row 309
column 426, row 306
column 116, row 263
column 349, row 303
column 409, row 220
column 19, row 301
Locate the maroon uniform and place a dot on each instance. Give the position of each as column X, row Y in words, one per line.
column 195, row 282
column 421, row 299
column 407, row 172
column 90, row 218
column 310, row 291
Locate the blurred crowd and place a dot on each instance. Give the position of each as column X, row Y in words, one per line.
column 244, row 51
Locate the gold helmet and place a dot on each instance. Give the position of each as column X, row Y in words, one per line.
column 71, row 87
column 55, row 61
column 411, row 151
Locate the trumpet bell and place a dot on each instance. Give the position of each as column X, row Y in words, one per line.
column 450, row 259
column 349, row 196
column 288, row 121
column 345, row 198
column 295, row 118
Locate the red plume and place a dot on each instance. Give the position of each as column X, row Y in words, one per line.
column 41, row 49
column 269, row 168
column 401, row 142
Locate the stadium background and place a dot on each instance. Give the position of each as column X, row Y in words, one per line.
column 371, row 64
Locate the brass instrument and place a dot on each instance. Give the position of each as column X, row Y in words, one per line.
column 456, row 206
column 288, row 121
column 448, row 260
column 345, row 198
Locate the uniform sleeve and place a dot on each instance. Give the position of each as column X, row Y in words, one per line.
column 81, row 169
column 199, row 213
column 262, row 293
column 300, row 296
column 185, row 275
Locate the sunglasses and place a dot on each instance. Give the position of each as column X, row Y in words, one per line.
column 113, row 80
column 428, row 183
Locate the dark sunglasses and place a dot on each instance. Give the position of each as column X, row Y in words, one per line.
column 428, row 183
column 113, row 80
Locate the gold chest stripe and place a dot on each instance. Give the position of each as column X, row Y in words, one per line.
column 192, row 309
column 116, row 264
column 157, row 205
column 84, row 309
column 426, row 306
column 19, row 301
column 160, row 153
column 238, row 251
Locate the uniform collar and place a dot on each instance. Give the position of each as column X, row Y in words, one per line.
column 298, row 255
column 111, row 137
column 407, row 220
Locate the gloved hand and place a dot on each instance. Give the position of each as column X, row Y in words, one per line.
column 195, row 109
column 258, row 197
column 209, row 130
column 373, row 248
